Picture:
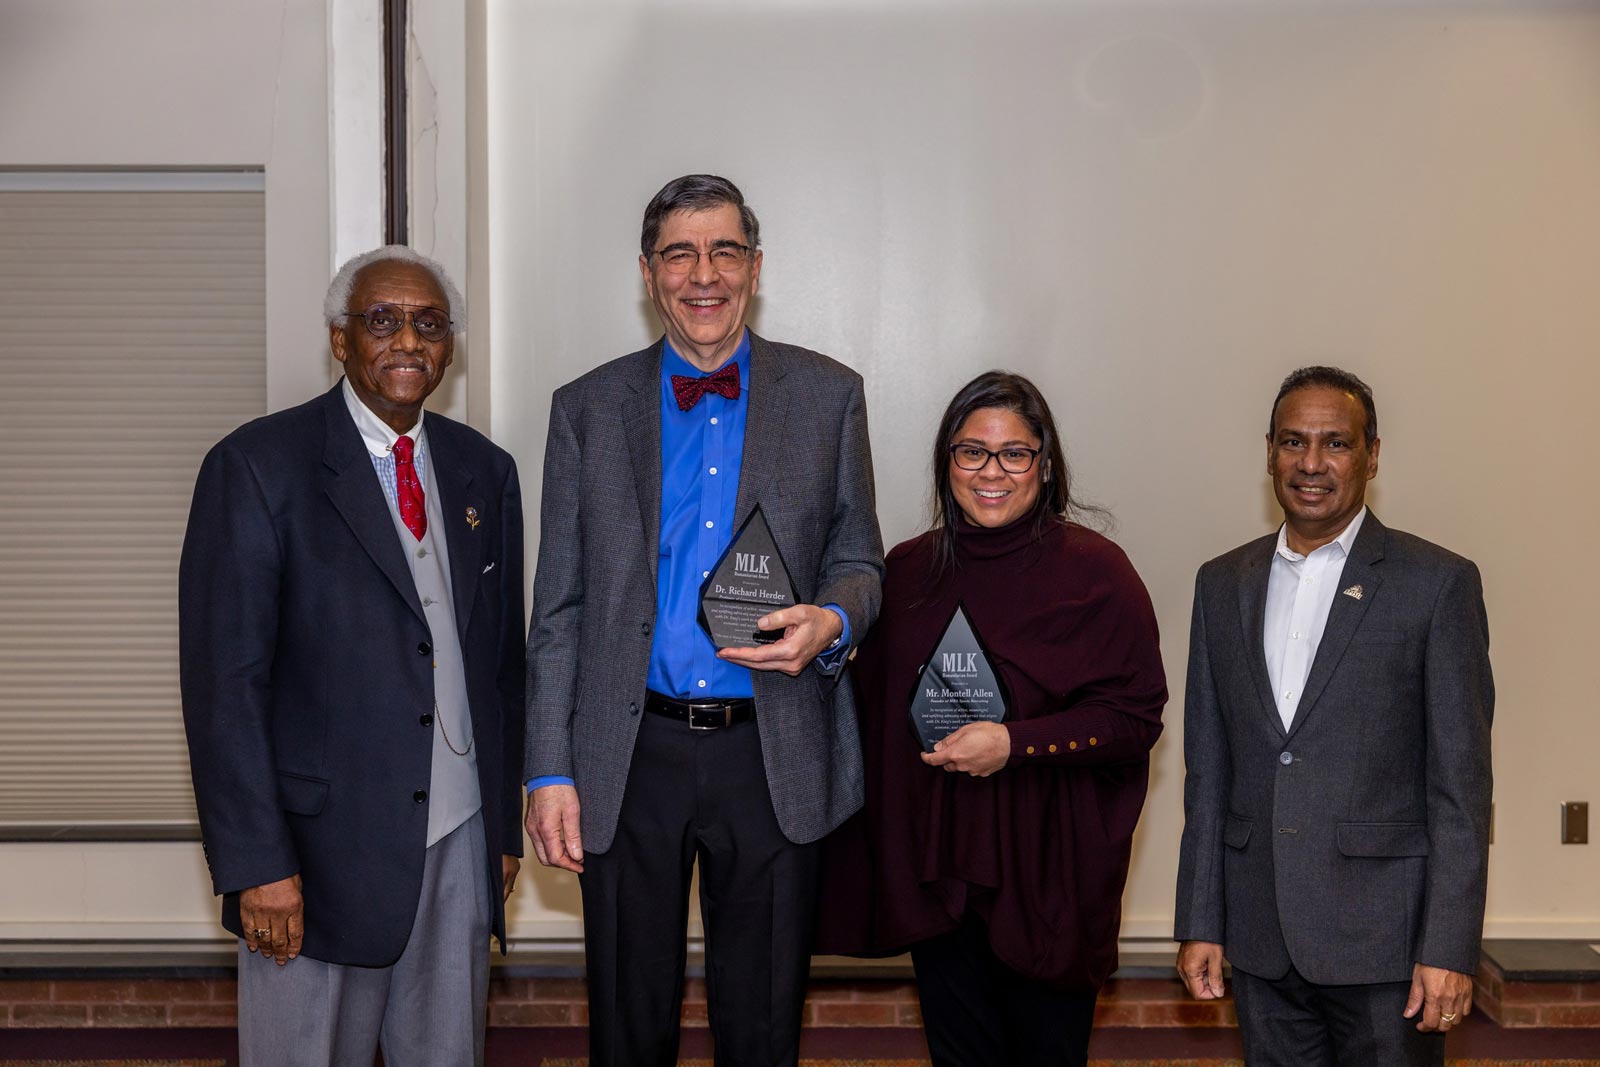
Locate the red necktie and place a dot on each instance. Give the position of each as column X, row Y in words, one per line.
column 688, row 391
column 413, row 511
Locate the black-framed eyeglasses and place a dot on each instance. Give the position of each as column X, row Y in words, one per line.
column 1012, row 460
column 725, row 258
column 381, row 320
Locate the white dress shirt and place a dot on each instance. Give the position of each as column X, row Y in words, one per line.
column 1300, row 592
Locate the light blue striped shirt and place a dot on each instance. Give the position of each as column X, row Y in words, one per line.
column 380, row 439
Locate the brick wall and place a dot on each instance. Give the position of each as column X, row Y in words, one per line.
column 1520, row 1004
column 143, row 1002
column 148, row 1002
column 1141, row 1002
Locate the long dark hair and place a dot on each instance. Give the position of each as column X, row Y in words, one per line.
column 1016, row 394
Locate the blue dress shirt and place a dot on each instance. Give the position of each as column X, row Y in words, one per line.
column 702, row 451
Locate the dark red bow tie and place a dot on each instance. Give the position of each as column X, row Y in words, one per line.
column 688, row 391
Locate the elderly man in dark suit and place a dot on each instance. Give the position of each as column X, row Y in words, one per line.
column 1336, row 731
column 647, row 749
column 351, row 631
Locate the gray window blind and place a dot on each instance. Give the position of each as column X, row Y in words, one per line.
column 131, row 339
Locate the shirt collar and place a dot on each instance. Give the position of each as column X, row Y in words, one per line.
column 672, row 363
column 375, row 433
column 1345, row 539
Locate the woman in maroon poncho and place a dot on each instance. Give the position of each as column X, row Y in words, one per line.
column 999, row 859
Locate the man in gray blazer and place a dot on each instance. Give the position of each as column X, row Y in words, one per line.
column 1336, row 732
column 647, row 749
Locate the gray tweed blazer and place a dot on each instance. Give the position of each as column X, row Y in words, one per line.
column 1356, row 843
column 808, row 463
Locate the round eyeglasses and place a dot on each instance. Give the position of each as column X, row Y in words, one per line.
column 382, row 320
column 724, row 258
column 1012, row 460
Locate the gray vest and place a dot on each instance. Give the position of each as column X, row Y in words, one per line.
column 453, row 794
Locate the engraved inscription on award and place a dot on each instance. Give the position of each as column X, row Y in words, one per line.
column 957, row 686
column 748, row 582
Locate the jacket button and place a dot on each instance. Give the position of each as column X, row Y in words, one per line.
column 424, row 648
column 644, row 628
column 1030, row 750
column 1052, row 748
column 1072, row 745
column 420, row 795
column 1285, row 758
column 426, row 720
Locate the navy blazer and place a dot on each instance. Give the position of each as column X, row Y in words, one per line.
column 307, row 671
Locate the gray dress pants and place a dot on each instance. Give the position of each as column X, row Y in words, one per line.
column 426, row 1010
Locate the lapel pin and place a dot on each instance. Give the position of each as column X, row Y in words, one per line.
column 472, row 521
column 1354, row 591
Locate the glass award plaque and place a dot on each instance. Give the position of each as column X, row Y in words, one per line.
column 748, row 581
column 957, row 686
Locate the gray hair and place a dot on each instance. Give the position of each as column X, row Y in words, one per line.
column 334, row 305
column 695, row 192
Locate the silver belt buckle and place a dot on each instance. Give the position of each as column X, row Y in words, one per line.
column 727, row 716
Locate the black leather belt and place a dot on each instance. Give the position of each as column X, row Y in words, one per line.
column 701, row 714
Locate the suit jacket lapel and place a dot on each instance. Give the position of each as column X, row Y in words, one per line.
column 763, row 428
column 463, row 539
column 1252, row 617
column 1345, row 615
column 354, row 490
column 641, row 419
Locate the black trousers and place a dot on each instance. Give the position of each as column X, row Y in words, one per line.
column 978, row 1012
column 698, row 795
column 1290, row 1022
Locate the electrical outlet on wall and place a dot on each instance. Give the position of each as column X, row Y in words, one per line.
column 1575, row 822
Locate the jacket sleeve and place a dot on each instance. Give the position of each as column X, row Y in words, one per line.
column 512, row 658
column 228, row 579
column 1459, row 706
column 552, row 655
column 852, row 561
column 1200, row 908
column 1115, row 716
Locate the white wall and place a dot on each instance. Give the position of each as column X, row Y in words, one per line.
column 185, row 83
column 209, row 84
column 1156, row 212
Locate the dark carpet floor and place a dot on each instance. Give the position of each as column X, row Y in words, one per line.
column 1478, row 1042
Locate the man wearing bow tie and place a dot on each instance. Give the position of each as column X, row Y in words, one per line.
column 351, row 637
column 1336, row 733
column 647, row 749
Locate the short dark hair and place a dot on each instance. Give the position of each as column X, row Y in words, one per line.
column 1014, row 393
column 696, row 192
column 1327, row 378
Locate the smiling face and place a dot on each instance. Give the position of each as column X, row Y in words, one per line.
column 393, row 375
column 992, row 496
column 702, row 311
column 1320, row 463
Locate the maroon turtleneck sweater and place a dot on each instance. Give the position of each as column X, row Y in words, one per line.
column 1039, row 850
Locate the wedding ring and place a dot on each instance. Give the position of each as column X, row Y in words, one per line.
column 262, row 935
column 1448, row 1017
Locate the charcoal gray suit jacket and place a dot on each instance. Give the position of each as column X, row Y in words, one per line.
column 808, row 463
column 1355, row 843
